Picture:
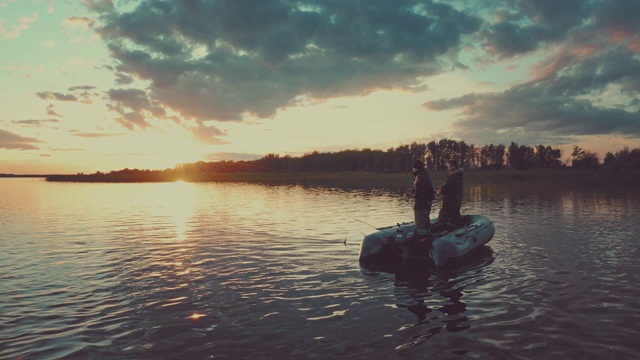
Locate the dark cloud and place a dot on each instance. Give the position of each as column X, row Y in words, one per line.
column 129, row 119
column 34, row 122
column 46, row 95
column 586, row 87
column 222, row 59
column 11, row 141
column 621, row 15
column 526, row 112
column 539, row 112
column 208, row 134
column 51, row 110
column 82, row 87
column 136, row 100
column 133, row 105
column 526, row 25
column 83, row 95
column 123, row 79
column 555, row 107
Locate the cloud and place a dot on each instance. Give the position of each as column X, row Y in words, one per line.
column 51, row 111
column 95, row 135
column 208, row 134
column 23, row 71
column 74, row 22
column 83, row 94
column 134, row 105
column 129, row 119
column 220, row 60
column 549, row 110
column 82, row 87
column 136, row 100
column 619, row 16
column 11, row 141
column 522, row 114
column 232, row 156
column 524, row 26
column 33, row 122
column 46, row 95
column 67, row 149
column 16, row 30
column 86, row 93
column 585, row 87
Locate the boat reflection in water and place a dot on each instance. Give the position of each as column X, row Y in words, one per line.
column 435, row 297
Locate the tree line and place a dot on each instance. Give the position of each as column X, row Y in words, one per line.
column 435, row 155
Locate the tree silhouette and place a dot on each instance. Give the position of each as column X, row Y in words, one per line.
column 581, row 159
column 435, row 154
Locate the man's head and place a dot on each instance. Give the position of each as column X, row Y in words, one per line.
column 452, row 165
column 417, row 165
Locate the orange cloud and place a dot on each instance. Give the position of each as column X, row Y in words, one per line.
column 75, row 22
column 586, row 51
column 552, row 67
column 634, row 46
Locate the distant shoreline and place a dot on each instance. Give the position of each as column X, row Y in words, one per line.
column 24, row 176
column 360, row 179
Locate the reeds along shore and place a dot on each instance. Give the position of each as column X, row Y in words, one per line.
column 393, row 181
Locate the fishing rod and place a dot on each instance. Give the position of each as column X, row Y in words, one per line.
column 358, row 220
column 380, row 228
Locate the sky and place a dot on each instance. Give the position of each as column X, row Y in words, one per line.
column 101, row 85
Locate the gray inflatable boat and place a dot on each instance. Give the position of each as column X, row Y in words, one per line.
column 396, row 243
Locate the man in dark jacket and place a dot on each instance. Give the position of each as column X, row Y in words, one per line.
column 451, row 192
column 422, row 196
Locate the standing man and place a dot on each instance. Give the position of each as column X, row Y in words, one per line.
column 423, row 194
column 451, row 192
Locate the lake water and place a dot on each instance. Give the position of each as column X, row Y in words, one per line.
column 239, row 271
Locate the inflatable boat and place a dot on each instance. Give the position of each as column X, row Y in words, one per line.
column 396, row 243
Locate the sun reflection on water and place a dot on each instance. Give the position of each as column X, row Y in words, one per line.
column 175, row 202
column 196, row 316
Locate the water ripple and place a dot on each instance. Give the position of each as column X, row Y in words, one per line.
column 246, row 271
